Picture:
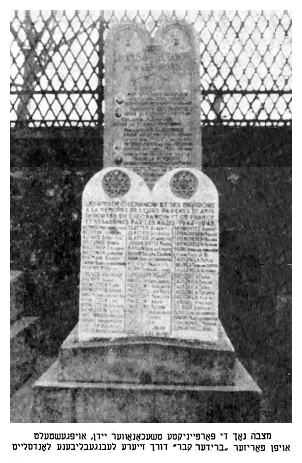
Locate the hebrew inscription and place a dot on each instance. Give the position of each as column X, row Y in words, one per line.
column 149, row 259
column 152, row 110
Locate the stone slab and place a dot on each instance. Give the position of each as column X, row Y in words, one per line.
column 152, row 98
column 147, row 360
column 22, row 353
column 16, row 294
column 149, row 259
column 66, row 402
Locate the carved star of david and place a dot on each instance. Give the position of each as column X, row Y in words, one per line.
column 116, row 183
column 184, row 184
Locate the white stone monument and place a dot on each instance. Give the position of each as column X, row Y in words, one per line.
column 149, row 346
column 149, row 259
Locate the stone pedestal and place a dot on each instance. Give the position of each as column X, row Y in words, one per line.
column 147, row 360
column 86, row 402
column 146, row 380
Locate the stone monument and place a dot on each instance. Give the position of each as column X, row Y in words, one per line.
column 149, row 259
column 152, row 99
column 149, row 346
column 149, row 331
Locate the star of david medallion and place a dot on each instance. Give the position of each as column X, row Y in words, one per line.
column 116, row 183
column 184, row 184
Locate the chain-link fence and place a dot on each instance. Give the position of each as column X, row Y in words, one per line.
column 57, row 65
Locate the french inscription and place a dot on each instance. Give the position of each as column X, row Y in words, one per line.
column 149, row 261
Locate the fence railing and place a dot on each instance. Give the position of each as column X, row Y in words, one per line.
column 57, row 65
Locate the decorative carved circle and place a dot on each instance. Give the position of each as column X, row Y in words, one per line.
column 118, row 146
column 118, row 112
column 176, row 40
column 118, row 159
column 184, row 184
column 116, row 183
column 120, row 98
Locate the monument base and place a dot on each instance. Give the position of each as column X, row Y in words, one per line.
column 147, row 360
column 87, row 402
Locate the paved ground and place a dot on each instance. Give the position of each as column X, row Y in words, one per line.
column 21, row 400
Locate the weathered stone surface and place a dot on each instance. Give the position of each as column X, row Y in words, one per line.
column 79, row 402
column 147, row 360
column 53, row 405
column 16, row 294
column 188, row 200
column 152, row 99
column 149, row 259
column 104, row 235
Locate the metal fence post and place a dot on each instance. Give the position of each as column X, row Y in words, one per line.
column 100, row 79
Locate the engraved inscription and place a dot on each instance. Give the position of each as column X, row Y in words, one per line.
column 165, row 284
column 149, row 263
column 152, row 98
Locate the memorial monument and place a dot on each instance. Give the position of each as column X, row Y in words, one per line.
column 149, row 260
column 149, row 346
column 152, row 99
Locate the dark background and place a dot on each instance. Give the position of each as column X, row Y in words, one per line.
column 251, row 168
